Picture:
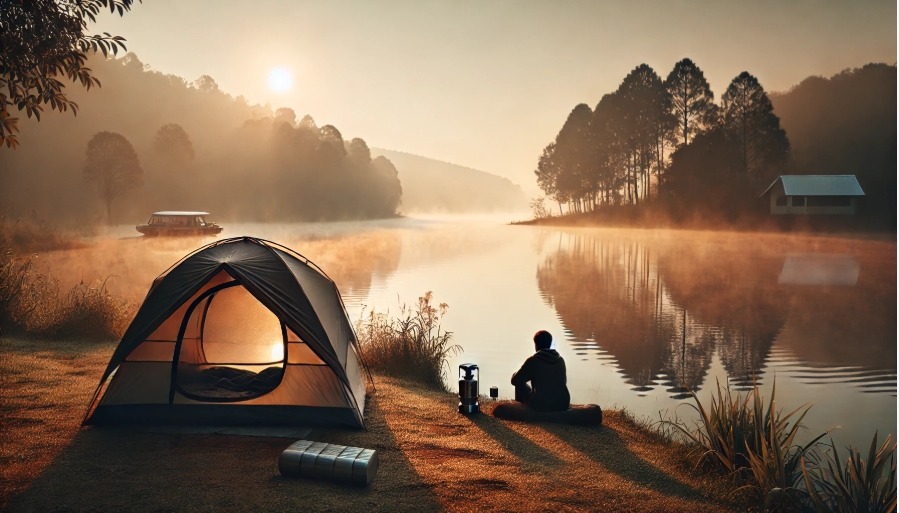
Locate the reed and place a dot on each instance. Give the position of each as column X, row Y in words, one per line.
column 856, row 486
column 411, row 346
column 775, row 462
column 754, row 442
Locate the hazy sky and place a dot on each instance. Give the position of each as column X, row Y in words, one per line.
column 488, row 84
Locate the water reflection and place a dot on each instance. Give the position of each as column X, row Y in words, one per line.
column 819, row 269
column 661, row 310
column 610, row 297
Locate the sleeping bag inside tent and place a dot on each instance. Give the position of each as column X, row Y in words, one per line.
column 244, row 332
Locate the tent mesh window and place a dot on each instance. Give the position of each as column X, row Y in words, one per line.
column 232, row 349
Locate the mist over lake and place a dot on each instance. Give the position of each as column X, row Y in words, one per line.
column 637, row 314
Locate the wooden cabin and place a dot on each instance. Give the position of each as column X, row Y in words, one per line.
column 814, row 194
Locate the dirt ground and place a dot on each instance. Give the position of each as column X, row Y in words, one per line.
column 431, row 457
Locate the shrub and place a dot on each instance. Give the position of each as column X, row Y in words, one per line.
column 412, row 346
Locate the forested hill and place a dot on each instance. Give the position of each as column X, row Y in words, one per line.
column 434, row 186
column 846, row 124
column 146, row 141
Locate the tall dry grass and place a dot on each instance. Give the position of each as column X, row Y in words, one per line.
column 26, row 235
column 752, row 441
column 32, row 303
column 411, row 346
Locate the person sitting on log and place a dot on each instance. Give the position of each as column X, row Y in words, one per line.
column 546, row 372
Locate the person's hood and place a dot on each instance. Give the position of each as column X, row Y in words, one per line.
column 548, row 355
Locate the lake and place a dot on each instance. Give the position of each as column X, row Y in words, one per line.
column 640, row 316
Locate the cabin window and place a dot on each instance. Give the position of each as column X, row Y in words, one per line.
column 798, row 201
column 830, row 201
column 200, row 221
column 780, row 201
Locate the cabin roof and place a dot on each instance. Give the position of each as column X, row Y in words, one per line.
column 818, row 185
column 179, row 213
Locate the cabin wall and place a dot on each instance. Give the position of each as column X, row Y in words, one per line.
column 777, row 192
column 798, row 205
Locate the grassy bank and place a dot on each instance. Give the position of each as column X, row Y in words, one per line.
column 432, row 458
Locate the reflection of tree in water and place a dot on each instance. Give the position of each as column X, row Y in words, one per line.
column 631, row 299
column 609, row 292
column 734, row 296
column 688, row 357
column 743, row 355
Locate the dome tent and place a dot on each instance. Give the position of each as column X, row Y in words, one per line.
column 241, row 331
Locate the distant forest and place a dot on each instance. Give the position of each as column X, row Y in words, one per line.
column 668, row 145
column 188, row 146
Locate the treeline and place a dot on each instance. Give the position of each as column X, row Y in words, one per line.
column 315, row 174
column 147, row 141
column 670, row 144
column 846, row 124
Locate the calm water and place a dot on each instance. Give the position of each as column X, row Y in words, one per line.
column 638, row 315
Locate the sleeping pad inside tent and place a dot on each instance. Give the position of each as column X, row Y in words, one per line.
column 242, row 332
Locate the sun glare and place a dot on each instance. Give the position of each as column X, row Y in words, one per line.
column 279, row 80
column 277, row 351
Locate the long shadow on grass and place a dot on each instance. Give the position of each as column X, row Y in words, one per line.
column 606, row 447
column 522, row 447
column 118, row 469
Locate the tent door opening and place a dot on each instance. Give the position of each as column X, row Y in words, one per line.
column 230, row 348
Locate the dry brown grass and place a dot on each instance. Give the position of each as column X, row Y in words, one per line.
column 44, row 391
column 31, row 302
column 26, row 235
column 411, row 346
column 432, row 458
column 30, row 298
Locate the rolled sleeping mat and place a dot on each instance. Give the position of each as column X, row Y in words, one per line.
column 319, row 460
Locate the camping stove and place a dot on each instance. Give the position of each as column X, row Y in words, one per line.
column 468, row 388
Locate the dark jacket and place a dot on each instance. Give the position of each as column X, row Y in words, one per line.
column 546, row 372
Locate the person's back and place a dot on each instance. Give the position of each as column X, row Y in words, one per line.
column 546, row 372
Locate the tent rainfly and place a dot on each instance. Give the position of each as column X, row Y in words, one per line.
column 242, row 331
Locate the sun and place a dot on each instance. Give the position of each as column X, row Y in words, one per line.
column 279, row 80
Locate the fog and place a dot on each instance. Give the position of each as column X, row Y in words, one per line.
column 638, row 315
column 198, row 148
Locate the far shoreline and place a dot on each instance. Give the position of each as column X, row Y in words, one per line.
column 628, row 218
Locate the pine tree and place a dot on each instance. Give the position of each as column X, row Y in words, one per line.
column 692, row 101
